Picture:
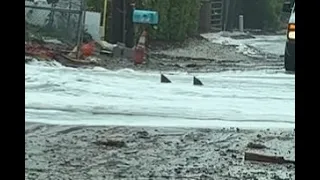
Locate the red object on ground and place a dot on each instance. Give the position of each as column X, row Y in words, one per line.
column 88, row 49
column 39, row 51
column 139, row 51
column 138, row 55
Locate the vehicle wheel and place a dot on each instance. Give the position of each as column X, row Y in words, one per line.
column 289, row 63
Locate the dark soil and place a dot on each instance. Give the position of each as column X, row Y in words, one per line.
column 73, row 152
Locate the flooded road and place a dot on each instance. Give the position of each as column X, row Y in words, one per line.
column 69, row 96
column 256, row 94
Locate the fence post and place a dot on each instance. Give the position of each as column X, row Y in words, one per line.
column 68, row 19
column 80, row 27
column 124, row 22
column 241, row 23
column 104, row 19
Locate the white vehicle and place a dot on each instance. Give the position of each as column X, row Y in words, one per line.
column 289, row 55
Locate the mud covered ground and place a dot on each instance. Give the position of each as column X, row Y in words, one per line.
column 75, row 152
column 197, row 55
column 194, row 55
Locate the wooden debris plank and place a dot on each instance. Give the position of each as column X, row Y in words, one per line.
column 249, row 156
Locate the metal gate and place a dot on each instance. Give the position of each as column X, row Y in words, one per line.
column 61, row 20
column 211, row 16
column 217, row 15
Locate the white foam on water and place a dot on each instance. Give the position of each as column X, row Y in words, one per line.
column 255, row 47
column 63, row 95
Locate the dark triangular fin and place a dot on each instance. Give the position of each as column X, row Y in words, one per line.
column 164, row 79
column 197, row 81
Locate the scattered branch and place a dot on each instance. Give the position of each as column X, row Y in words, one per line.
column 267, row 159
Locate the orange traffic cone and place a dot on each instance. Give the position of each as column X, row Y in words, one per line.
column 139, row 51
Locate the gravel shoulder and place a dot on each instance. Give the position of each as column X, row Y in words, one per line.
column 82, row 152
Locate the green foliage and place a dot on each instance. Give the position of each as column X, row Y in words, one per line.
column 178, row 19
column 95, row 5
column 263, row 14
column 273, row 9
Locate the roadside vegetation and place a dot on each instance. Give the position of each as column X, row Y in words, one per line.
column 179, row 18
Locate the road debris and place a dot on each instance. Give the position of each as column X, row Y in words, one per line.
column 107, row 152
column 111, row 143
column 248, row 156
column 252, row 145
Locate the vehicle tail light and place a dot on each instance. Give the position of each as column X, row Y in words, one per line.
column 291, row 32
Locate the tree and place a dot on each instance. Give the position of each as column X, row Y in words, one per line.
column 262, row 14
column 178, row 19
column 95, row 5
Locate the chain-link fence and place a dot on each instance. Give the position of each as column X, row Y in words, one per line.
column 55, row 19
